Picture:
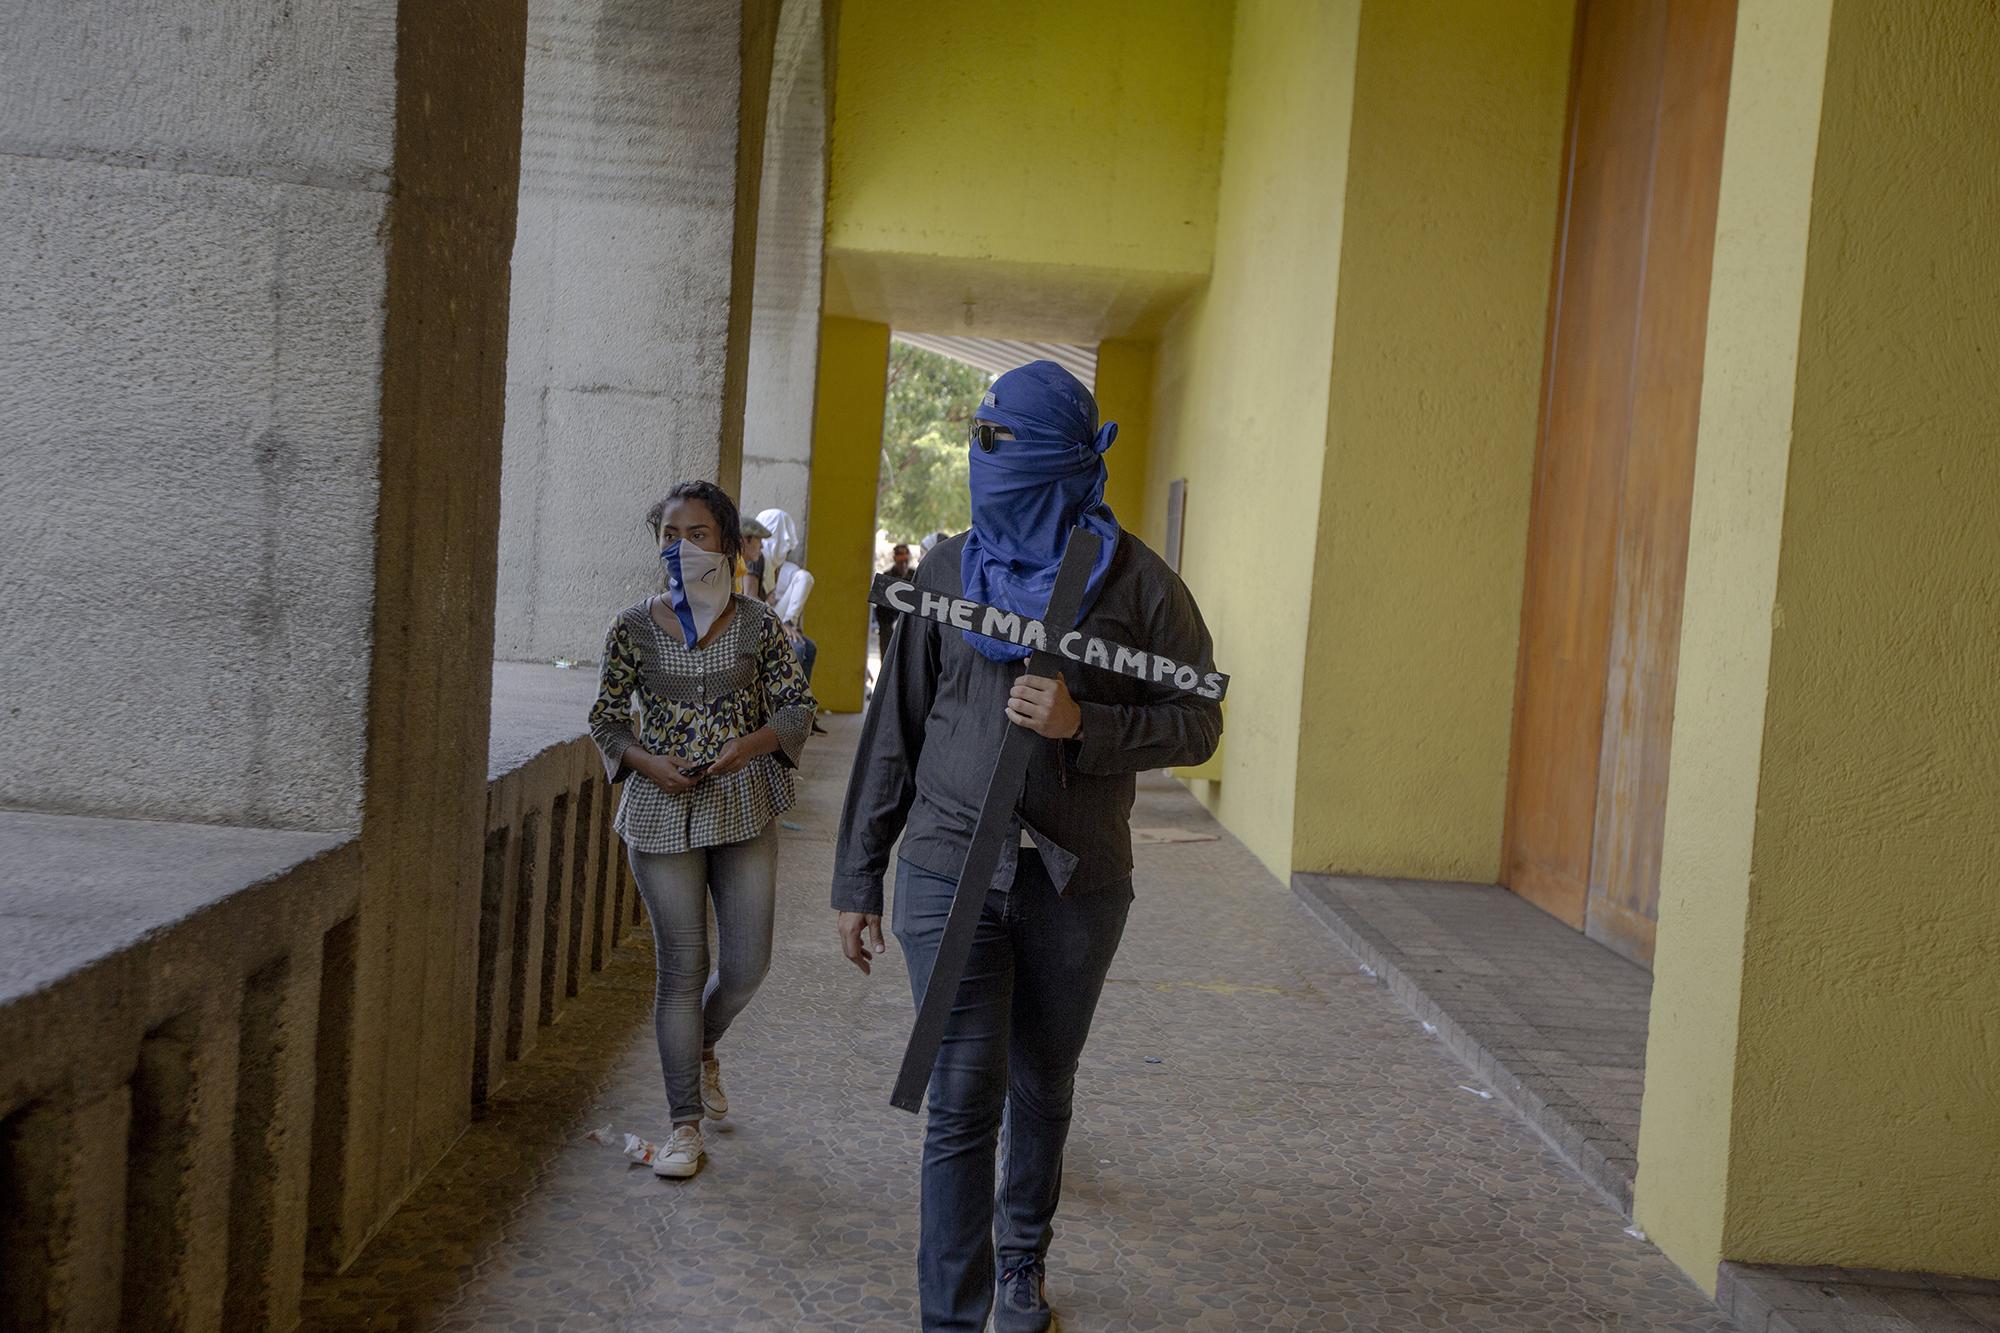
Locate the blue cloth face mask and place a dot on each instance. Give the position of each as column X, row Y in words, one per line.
column 1028, row 492
column 698, row 587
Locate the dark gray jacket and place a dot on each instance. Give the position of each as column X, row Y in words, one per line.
column 939, row 712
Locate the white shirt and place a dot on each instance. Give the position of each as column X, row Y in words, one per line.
column 794, row 585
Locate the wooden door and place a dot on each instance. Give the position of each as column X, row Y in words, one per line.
column 1600, row 623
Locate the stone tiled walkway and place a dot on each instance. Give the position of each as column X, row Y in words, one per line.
column 1556, row 1021
column 1265, row 1140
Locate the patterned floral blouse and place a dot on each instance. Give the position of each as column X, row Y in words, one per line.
column 692, row 702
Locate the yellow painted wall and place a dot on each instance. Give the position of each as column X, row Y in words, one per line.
column 1124, row 392
column 1358, row 490
column 1868, row 1073
column 1824, row 1077
column 1240, row 391
column 1751, row 366
column 1453, row 181
column 1053, row 164
column 846, row 470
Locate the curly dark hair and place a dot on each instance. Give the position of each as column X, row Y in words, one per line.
column 728, row 525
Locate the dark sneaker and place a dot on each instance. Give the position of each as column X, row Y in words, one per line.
column 1020, row 1305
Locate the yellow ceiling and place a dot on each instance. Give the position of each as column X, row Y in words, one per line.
column 1027, row 169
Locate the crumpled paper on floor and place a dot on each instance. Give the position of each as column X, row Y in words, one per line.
column 631, row 1145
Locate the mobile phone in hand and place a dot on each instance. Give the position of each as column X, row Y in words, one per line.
column 699, row 770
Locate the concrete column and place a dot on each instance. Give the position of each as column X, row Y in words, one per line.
column 183, row 1091
column 1125, row 395
column 784, row 314
column 1821, row 1075
column 846, row 470
column 629, row 338
column 442, row 382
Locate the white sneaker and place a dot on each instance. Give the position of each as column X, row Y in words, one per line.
column 680, row 1156
column 713, row 1100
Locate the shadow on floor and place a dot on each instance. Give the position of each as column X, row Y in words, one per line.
column 436, row 1245
column 1264, row 1139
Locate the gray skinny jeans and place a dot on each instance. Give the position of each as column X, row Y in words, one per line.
column 692, row 1006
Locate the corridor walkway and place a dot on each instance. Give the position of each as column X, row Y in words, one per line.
column 1266, row 1140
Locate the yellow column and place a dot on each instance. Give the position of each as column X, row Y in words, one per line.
column 1125, row 395
column 846, row 470
column 1239, row 392
column 1452, row 186
column 1824, row 1069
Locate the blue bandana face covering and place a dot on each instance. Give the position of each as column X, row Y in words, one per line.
column 698, row 587
column 1028, row 492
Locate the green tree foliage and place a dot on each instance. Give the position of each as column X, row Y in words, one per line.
column 924, row 421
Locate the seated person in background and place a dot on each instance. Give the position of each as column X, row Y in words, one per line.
column 750, row 562
column 788, row 584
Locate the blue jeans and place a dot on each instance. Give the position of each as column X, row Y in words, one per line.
column 1023, row 1012
column 692, row 1004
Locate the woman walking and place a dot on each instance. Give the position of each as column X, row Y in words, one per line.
column 787, row 583
column 723, row 713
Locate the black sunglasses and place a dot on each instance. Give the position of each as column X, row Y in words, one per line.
column 983, row 434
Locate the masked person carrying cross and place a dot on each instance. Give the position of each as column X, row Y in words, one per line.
column 1056, row 907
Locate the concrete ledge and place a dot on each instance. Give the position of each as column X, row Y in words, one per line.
column 556, row 895
column 1772, row 1298
column 1474, row 985
column 77, row 889
column 182, row 1091
column 535, row 709
column 163, row 991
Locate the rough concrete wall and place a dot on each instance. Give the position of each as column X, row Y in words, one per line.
column 784, row 318
column 450, row 235
column 631, row 287
column 173, row 1101
column 256, row 430
column 192, row 271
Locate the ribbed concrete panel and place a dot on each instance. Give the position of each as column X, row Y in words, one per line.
column 997, row 355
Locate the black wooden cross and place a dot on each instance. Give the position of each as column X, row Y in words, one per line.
column 1052, row 640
